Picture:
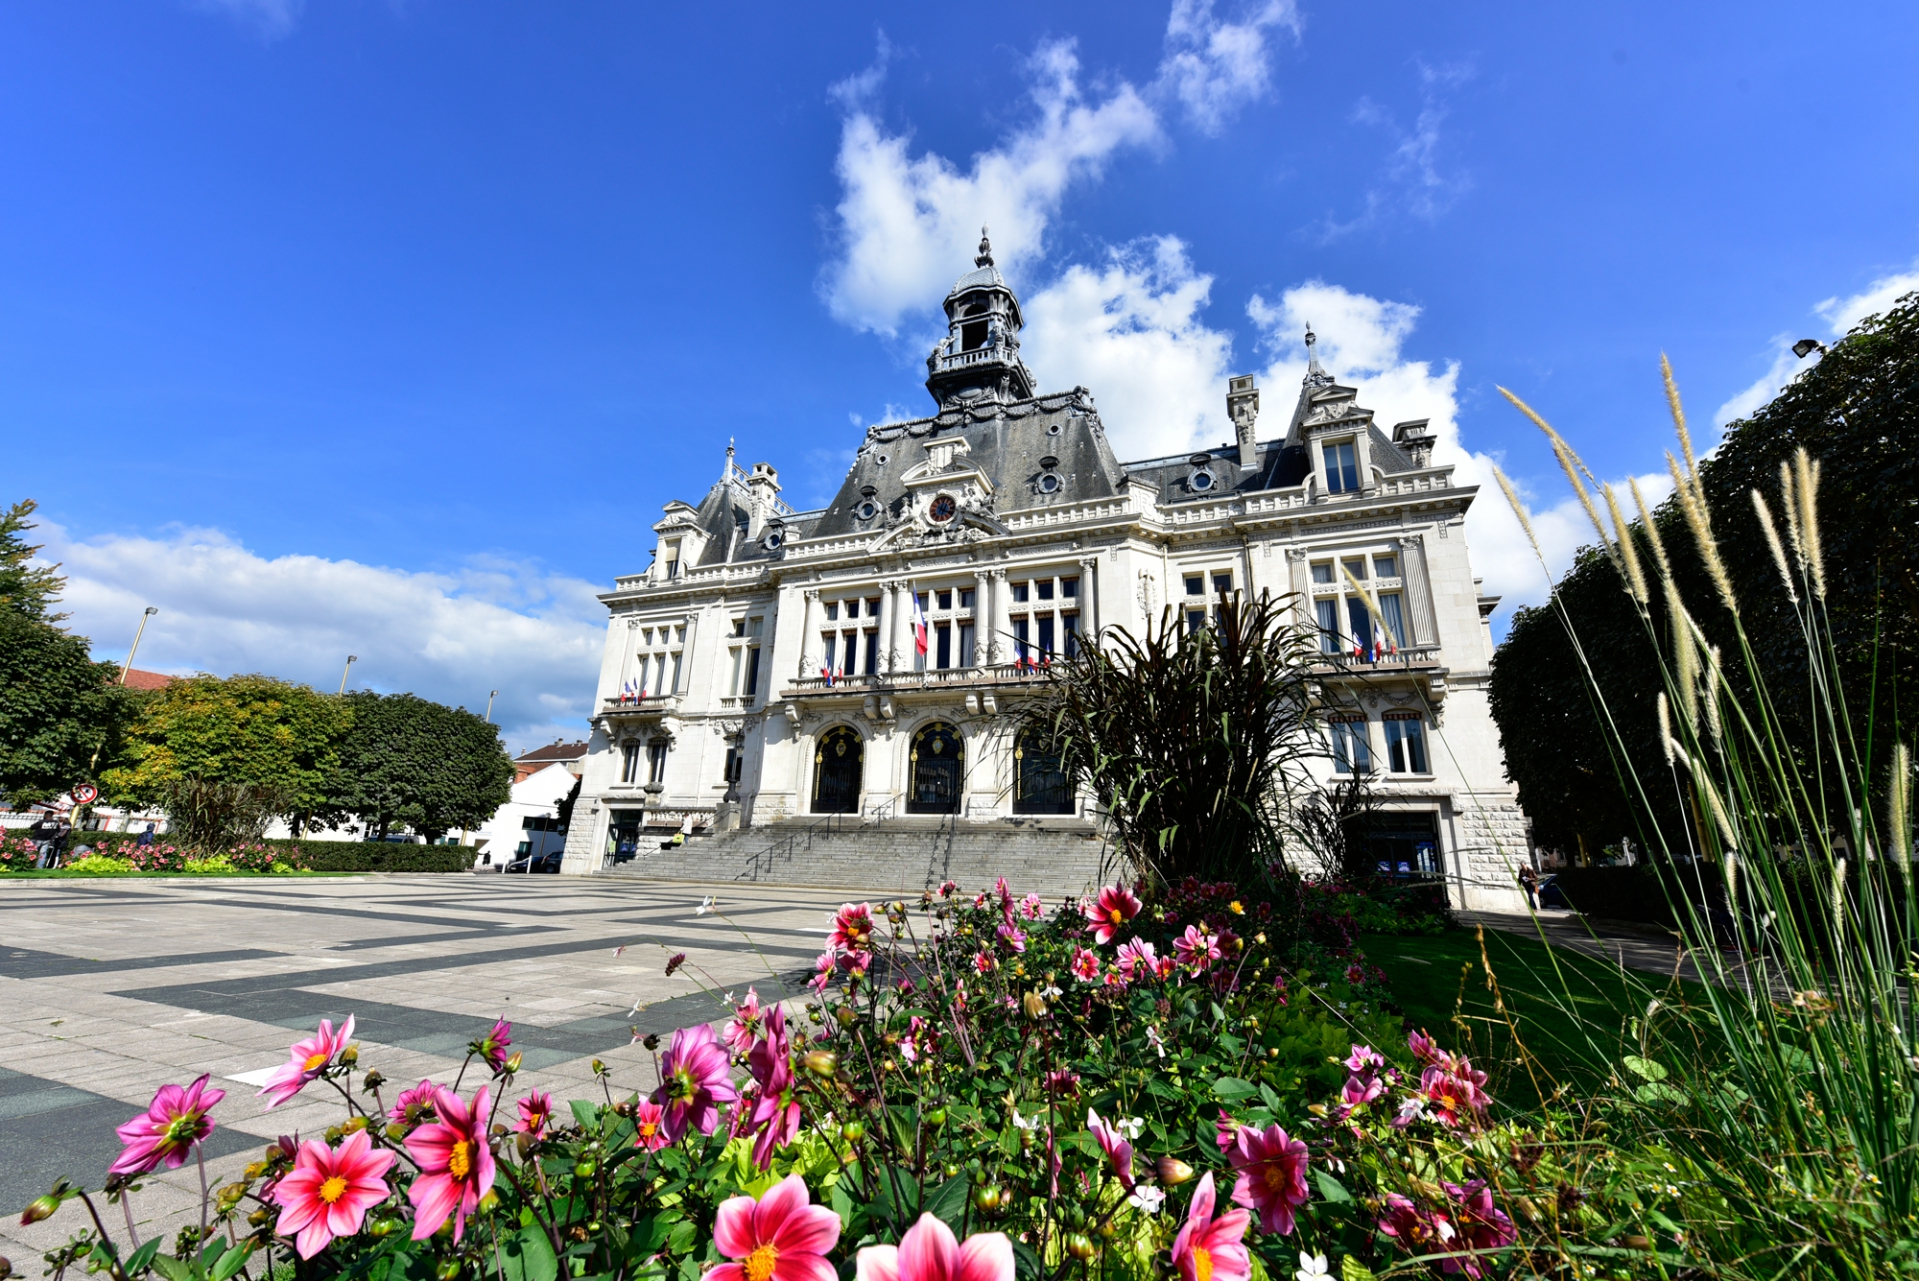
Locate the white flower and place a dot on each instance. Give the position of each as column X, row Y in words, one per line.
column 1312, row 1267
column 1147, row 1198
column 1131, row 1127
column 1049, row 991
column 708, row 904
column 1024, row 1123
column 1152, row 1039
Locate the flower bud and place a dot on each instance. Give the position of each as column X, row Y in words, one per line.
column 396, row 1131
column 1080, row 1246
column 350, row 1055
column 988, row 1200
column 936, row 1118
column 853, row 1131
column 822, row 1062
column 513, row 1063
column 1173, row 1171
column 1035, row 1005
column 353, row 1124
column 599, row 1068
column 6, row 1267
column 845, row 1015
column 651, row 1040
column 373, row 1081
column 42, row 1208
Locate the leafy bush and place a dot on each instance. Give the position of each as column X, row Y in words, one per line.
column 374, row 856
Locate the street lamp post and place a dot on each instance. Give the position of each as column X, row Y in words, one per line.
column 142, row 630
column 490, row 696
column 351, row 659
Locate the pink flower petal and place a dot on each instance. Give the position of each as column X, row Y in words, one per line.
column 803, row 1267
column 810, row 1229
column 733, row 1227
column 878, row 1263
column 724, row 1272
column 986, row 1256
column 784, row 1198
column 929, row 1251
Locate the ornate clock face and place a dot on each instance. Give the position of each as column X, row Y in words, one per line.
column 942, row 509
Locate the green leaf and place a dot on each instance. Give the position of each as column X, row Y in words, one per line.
column 1351, row 1269
column 1230, row 1088
column 172, row 1269
column 1332, row 1189
column 948, row 1201
column 586, row 1114
column 1026, row 1264
column 1644, row 1068
column 140, row 1259
column 232, row 1261
column 536, row 1254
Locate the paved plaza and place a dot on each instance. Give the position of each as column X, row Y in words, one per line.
column 110, row 989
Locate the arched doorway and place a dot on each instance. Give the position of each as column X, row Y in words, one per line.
column 1040, row 784
column 938, row 767
column 837, row 772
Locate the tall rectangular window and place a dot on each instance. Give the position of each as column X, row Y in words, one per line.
column 1019, row 591
column 731, row 772
column 1069, row 588
column 1046, row 635
column 1328, row 625
column 1045, row 588
column 1323, row 572
column 1406, row 743
column 872, row 652
column 832, row 611
column 1195, row 619
column 1342, row 468
column 966, row 598
column 1071, row 623
column 733, row 680
column 675, row 686
column 1386, row 566
column 966, row 646
column 1222, row 584
column 1360, row 621
column 1352, row 753
column 943, row 644
column 831, row 651
column 946, row 599
column 656, row 762
column 752, row 672
column 1195, row 584
column 853, row 608
column 1395, row 616
column 630, row 763
column 1019, row 637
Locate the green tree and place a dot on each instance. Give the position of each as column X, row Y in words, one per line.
column 61, row 713
column 1854, row 412
column 224, row 755
column 411, row 761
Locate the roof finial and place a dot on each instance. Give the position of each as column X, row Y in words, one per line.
column 729, row 459
column 985, row 258
column 1314, row 373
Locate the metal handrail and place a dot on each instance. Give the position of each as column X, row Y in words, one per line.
column 883, row 810
column 789, row 846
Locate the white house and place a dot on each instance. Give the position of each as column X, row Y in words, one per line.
column 529, row 822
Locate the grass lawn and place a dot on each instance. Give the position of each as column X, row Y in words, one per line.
column 1564, row 1016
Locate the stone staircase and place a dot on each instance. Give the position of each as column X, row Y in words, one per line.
column 1050, row 856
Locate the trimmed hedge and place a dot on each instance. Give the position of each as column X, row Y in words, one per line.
column 1631, row 893
column 373, row 856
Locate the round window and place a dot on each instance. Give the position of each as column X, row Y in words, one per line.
column 1052, row 429
column 867, row 510
column 881, row 459
column 773, row 541
column 1049, row 483
column 1202, row 481
column 942, row 509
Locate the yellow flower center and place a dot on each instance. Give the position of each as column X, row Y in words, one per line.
column 1202, row 1263
column 459, row 1162
column 333, row 1189
column 1274, row 1177
column 648, row 1129
column 314, row 1061
column 759, row 1264
column 1117, row 918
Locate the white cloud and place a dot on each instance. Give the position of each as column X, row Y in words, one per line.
column 1840, row 315
column 1131, row 332
column 1415, row 177
column 1214, row 67
column 494, row 624
column 271, row 18
column 1361, row 343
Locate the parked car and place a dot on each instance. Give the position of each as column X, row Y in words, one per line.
column 1551, row 895
column 547, row 862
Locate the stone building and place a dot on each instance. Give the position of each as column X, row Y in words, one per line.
column 766, row 668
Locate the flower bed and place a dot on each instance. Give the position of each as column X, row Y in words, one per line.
column 978, row 1090
column 114, row 855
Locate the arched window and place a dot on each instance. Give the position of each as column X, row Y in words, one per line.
column 837, row 761
column 1040, row 782
column 938, row 770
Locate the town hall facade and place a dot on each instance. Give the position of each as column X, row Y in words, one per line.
column 765, row 670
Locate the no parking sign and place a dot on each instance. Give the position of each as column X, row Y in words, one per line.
column 85, row 794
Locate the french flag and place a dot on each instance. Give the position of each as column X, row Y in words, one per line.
column 919, row 624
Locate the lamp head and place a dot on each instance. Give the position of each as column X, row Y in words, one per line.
column 1806, row 346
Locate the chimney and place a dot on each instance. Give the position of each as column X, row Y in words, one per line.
column 764, row 485
column 1242, row 406
column 1415, row 441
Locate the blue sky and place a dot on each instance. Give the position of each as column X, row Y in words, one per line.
column 387, row 327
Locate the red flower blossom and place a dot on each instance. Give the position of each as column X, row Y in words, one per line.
column 852, row 928
column 328, row 1192
column 1086, row 965
column 174, row 1121
column 1197, row 949
column 930, row 1252
column 780, row 1237
column 649, row 1126
column 1209, row 1249
column 456, row 1164
column 743, row 1029
column 1480, row 1226
column 1417, row 1229
column 1272, row 1175
column 1116, row 906
column 536, row 1111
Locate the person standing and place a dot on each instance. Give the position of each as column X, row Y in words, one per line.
column 146, row 837
column 1529, row 882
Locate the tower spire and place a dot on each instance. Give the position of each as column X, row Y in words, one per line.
column 1316, row 376
column 985, row 258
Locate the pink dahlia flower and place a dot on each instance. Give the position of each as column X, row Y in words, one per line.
column 985, row 963
column 1424, row 1048
column 1116, row 906
column 309, row 1058
column 694, row 1082
column 1086, row 965
column 776, row 1113
column 823, row 968
column 1209, row 1249
column 328, row 1192
column 1454, row 1093
column 1419, row 1230
column 1114, row 1145
column 780, row 1237
column 649, row 1126
column 1272, row 1175
column 456, row 1164
column 930, row 1252
column 414, row 1105
column 1032, row 907
column 174, row 1121
column 744, row 1027
column 1136, row 959
column 536, row 1112
column 1480, row 1225
column 852, row 928
column 492, row 1046
column 1197, row 949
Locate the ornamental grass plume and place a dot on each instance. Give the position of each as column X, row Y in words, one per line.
column 930, row 1252
column 329, row 1191
column 176, row 1119
column 1271, row 1169
column 1209, row 1249
column 456, row 1164
column 780, row 1237
column 310, row 1058
column 693, row 1082
column 1115, row 906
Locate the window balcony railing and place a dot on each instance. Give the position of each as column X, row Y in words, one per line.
column 982, row 677
column 1425, row 658
column 631, row 706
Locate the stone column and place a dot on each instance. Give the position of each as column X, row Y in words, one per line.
column 1299, row 581
column 809, row 635
column 1089, row 600
column 982, row 614
column 1420, row 620
column 900, row 658
column 884, row 626
column 1002, row 646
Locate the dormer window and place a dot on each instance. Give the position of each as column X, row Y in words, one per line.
column 1342, row 468
column 1202, row 480
column 867, row 509
column 673, row 558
